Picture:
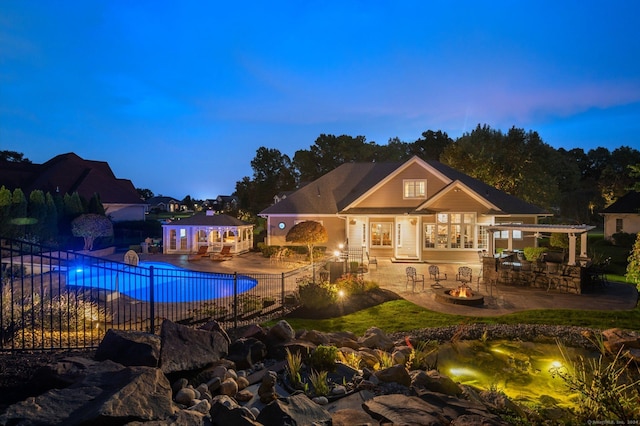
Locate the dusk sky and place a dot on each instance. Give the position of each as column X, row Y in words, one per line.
column 177, row 96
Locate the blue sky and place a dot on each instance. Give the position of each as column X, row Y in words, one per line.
column 178, row 95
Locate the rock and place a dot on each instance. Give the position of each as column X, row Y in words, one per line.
column 130, row 348
column 242, row 382
column 204, row 347
column 179, row 384
column 255, row 331
column 246, row 352
column 397, row 374
column 296, row 409
column 315, row 337
column 215, row 326
column 228, row 387
column 185, row 396
column 231, row 374
column 214, row 384
column 228, row 412
column 338, row 390
column 320, row 400
column 282, row 331
column 267, row 390
column 202, row 407
column 278, row 350
column 616, row 338
column 374, row 338
column 244, row 395
column 350, row 417
column 67, row 372
column 134, row 393
column 403, row 410
column 435, row 382
column 501, row 403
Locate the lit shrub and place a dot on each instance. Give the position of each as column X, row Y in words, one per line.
column 354, row 284
column 324, row 358
column 318, row 295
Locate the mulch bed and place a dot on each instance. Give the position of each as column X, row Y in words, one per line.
column 349, row 305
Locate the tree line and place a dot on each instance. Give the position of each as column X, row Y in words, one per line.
column 573, row 184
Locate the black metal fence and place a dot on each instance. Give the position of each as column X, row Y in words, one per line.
column 54, row 299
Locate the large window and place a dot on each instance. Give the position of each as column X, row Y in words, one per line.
column 415, row 188
column 619, row 225
column 504, row 234
column 452, row 231
column 381, row 234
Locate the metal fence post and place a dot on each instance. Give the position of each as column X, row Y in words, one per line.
column 152, row 308
column 282, row 291
column 235, row 300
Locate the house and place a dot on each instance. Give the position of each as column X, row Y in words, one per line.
column 68, row 173
column 623, row 215
column 163, row 204
column 222, row 203
column 412, row 211
column 187, row 235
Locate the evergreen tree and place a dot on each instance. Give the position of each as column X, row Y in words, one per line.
column 18, row 214
column 95, row 205
column 5, row 211
column 51, row 225
column 37, row 212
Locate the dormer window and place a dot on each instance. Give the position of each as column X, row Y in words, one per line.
column 415, row 188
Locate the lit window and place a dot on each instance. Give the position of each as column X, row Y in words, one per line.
column 381, row 234
column 415, row 188
column 619, row 227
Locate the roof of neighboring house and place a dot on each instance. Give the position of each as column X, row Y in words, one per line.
column 628, row 203
column 68, row 173
column 154, row 201
column 202, row 219
column 334, row 192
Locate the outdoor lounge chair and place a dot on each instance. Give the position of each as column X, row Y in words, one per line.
column 223, row 254
column 464, row 275
column 202, row 252
column 434, row 275
column 372, row 261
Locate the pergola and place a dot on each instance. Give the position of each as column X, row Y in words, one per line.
column 572, row 230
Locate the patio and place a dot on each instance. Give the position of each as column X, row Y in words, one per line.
column 498, row 300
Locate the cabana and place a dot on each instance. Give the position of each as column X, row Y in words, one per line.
column 573, row 232
column 211, row 230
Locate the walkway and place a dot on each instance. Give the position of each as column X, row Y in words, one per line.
column 391, row 276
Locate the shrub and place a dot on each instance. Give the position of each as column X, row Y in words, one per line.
column 318, row 295
column 533, row 253
column 354, row 284
column 623, row 239
column 318, row 380
column 324, row 358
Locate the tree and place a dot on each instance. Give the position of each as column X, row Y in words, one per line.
column 309, row 233
column 633, row 267
column 37, row 209
column 431, row 145
column 91, row 226
column 144, row 193
column 13, row 157
column 5, row 210
column 95, row 205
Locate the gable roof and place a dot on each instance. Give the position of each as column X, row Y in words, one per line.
column 68, row 173
column 335, row 191
column 628, row 203
column 160, row 199
column 202, row 219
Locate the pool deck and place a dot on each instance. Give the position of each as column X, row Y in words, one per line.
column 391, row 276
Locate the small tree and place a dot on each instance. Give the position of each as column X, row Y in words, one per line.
column 91, row 226
column 633, row 267
column 309, row 233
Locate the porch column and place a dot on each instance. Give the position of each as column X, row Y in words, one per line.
column 510, row 241
column 583, row 244
column 572, row 249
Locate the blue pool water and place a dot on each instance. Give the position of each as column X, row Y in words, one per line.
column 170, row 283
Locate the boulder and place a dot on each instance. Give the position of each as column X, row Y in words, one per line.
column 282, row 331
column 616, row 338
column 245, row 352
column 104, row 397
column 374, row 338
column 435, row 382
column 403, row 410
column 202, row 347
column 396, row 374
column 130, row 348
column 296, row 409
column 225, row 411
column 215, row 326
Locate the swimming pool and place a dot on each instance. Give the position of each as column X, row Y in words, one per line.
column 170, row 283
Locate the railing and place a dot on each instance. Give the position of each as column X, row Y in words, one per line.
column 65, row 300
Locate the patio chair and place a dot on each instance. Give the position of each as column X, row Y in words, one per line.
column 464, row 275
column 223, row 254
column 372, row 261
column 414, row 277
column 202, row 252
column 434, row 275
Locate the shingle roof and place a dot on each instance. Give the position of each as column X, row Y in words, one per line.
column 628, row 203
column 202, row 219
column 68, row 173
column 336, row 190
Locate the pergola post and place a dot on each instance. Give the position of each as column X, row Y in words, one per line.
column 583, row 244
column 572, row 249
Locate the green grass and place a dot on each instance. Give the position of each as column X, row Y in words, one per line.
column 401, row 315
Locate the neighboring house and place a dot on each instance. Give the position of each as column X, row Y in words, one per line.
column 412, row 211
column 68, row 173
column 222, row 203
column 207, row 229
column 623, row 215
column 163, row 204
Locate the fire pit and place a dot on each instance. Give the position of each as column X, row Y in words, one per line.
column 463, row 295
